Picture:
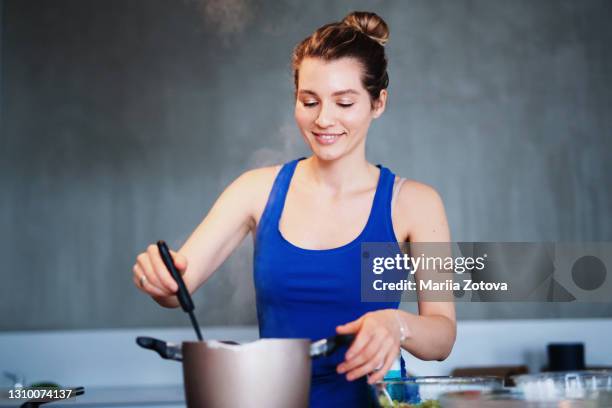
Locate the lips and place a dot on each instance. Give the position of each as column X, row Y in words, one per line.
column 327, row 138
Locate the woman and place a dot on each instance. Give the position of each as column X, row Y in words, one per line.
column 309, row 217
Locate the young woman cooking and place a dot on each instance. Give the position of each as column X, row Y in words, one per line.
column 309, row 216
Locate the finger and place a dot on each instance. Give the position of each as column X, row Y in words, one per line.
column 136, row 269
column 364, row 369
column 180, row 261
column 375, row 363
column 148, row 271
column 147, row 287
column 137, row 273
column 350, row 327
column 164, row 278
column 152, row 290
column 362, row 338
column 363, row 356
column 369, row 360
column 379, row 375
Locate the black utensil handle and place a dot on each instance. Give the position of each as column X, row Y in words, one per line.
column 338, row 341
column 195, row 325
column 182, row 294
column 334, row 342
column 165, row 350
column 343, row 339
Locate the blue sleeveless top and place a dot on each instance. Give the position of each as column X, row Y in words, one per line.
column 306, row 293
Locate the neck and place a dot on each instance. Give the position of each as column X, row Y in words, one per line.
column 348, row 173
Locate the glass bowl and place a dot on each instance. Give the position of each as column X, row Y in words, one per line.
column 570, row 385
column 510, row 398
column 409, row 392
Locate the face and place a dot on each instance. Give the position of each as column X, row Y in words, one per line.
column 333, row 110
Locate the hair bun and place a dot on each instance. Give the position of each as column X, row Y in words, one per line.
column 369, row 24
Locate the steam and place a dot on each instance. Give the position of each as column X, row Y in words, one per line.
column 239, row 272
column 285, row 146
column 226, row 16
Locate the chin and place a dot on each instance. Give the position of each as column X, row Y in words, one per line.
column 326, row 155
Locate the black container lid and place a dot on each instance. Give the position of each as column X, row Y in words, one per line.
column 565, row 356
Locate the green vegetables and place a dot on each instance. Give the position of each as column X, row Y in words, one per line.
column 428, row 404
column 384, row 403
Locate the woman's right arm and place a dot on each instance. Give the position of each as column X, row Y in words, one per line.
column 224, row 227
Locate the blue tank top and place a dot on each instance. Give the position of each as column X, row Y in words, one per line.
column 305, row 293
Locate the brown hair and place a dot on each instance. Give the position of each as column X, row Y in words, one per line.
column 360, row 35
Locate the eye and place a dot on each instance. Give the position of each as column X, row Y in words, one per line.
column 311, row 104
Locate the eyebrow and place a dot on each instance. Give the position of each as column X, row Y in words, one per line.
column 337, row 93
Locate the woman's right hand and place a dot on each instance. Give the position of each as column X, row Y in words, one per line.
column 153, row 278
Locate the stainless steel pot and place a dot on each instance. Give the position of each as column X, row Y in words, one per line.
column 264, row 373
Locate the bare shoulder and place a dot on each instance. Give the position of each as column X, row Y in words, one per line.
column 420, row 210
column 414, row 194
column 259, row 178
column 255, row 186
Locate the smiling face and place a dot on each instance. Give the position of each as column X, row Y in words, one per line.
column 333, row 110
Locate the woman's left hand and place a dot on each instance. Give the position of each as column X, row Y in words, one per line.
column 375, row 348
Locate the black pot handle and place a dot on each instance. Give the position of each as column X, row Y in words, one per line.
column 169, row 351
column 325, row 347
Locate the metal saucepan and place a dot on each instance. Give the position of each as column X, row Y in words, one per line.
column 265, row 373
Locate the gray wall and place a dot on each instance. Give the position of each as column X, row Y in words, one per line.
column 123, row 121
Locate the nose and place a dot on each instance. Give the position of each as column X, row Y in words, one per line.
column 325, row 118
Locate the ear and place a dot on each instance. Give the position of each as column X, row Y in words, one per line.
column 380, row 104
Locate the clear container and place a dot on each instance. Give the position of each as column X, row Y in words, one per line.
column 511, row 398
column 570, row 385
column 424, row 391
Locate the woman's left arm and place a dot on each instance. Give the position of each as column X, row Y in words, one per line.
column 430, row 335
column 433, row 331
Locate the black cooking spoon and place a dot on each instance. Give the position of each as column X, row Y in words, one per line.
column 182, row 294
